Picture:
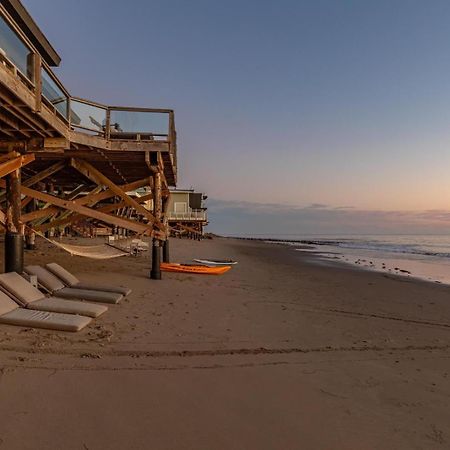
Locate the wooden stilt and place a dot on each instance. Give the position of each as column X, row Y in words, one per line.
column 155, row 273
column 14, row 228
column 166, row 248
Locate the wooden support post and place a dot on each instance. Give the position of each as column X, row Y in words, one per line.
column 14, row 228
column 155, row 273
column 166, row 248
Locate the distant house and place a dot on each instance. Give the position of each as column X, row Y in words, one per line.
column 186, row 212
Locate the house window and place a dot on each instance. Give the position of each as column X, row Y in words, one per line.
column 180, row 207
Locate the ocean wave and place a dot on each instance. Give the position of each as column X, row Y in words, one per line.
column 389, row 247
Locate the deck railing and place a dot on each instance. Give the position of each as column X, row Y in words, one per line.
column 195, row 214
column 121, row 123
column 85, row 116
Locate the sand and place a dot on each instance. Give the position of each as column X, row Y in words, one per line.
column 282, row 352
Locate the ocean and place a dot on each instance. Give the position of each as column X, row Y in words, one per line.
column 421, row 256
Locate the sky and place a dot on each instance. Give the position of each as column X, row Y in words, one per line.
column 293, row 116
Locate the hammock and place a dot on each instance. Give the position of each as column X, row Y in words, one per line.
column 102, row 251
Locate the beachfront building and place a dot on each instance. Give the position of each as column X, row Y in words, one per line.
column 62, row 156
column 186, row 213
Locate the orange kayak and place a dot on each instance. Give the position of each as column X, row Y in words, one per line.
column 187, row 268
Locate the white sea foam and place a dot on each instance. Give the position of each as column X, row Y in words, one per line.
column 426, row 257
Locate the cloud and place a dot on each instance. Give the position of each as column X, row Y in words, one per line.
column 316, row 206
column 249, row 218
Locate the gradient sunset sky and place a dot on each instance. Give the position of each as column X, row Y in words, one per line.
column 282, row 107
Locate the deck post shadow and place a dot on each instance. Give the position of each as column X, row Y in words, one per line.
column 166, row 251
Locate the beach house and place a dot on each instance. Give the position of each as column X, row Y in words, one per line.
column 187, row 213
column 62, row 156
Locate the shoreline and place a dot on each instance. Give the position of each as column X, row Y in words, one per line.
column 263, row 357
column 424, row 267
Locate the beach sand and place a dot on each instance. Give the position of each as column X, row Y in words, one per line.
column 279, row 353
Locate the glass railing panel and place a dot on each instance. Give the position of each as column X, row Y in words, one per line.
column 139, row 122
column 53, row 93
column 15, row 50
column 87, row 116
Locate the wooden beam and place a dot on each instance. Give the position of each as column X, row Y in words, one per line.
column 78, row 138
column 44, row 173
column 49, row 211
column 83, row 210
column 25, row 202
column 74, row 194
column 73, row 218
column 115, row 206
column 40, row 176
column 56, row 144
column 76, row 217
column 187, row 228
column 96, row 176
column 96, row 197
column 14, row 164
column 14, row 124
column 8, row 156
column 90, row 199
column 40, row 213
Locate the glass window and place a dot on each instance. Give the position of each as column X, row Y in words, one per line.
column 53, row 93
column 87, row 116
column 139, row 122
column 15, row 50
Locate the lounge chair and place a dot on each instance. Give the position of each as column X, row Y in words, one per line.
column 12, row 314
column 31, row 298
column 56, row 287
column 70, row 280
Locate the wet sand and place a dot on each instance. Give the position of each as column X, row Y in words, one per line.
column 423, row 267
column 279, row 353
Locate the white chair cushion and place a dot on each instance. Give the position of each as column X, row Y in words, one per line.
column 55, row 304
column 42, row 319
column 46, row 278
column 20, row 288
column 63, row 274
column 6, row 304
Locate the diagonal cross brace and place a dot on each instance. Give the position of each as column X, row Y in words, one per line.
column 96, row 176
column 83, row 210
